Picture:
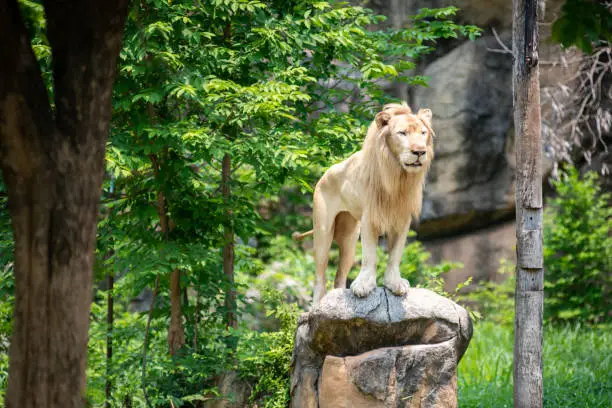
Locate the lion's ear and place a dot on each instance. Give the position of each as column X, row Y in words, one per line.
column 425, row 115
column 382, row 119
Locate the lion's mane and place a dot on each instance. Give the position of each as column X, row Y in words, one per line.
column 393, row 195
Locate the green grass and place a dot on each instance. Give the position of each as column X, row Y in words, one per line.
column 577, row 367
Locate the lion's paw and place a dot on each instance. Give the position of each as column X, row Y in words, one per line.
column 398, row 287
column 364, row 284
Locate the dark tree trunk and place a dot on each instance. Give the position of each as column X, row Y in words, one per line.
column 53, row 166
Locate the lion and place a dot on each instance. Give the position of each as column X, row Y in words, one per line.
column 377, row 190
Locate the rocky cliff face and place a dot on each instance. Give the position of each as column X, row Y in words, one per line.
column 469, row 196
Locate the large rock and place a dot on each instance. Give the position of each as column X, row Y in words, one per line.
column 470, row 184
column 379, row 351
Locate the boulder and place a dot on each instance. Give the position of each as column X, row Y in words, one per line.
column 379, row 351
column 470, row 184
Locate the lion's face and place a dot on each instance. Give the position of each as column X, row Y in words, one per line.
column 411, row 141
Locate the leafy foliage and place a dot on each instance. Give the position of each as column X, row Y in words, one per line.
column 578, row 250
column 583, row 23
column 265, row 358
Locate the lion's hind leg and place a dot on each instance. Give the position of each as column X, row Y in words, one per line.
column 325, row 209
column 346, row 233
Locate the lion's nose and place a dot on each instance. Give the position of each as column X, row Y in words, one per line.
column 419, row 153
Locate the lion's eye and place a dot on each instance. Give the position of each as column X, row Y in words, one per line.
column 401, row 133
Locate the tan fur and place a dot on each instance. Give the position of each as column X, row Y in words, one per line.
column 394, row 194
column 379, row 188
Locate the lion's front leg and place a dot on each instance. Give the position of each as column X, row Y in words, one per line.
column 366, row 280
column 393, row 280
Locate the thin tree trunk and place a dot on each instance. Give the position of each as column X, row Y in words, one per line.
column 196, row 320
column 176, row 331
column 176, row 334
column 53, row 164
column 109, row 338
column 228, row 249
column 529, row 268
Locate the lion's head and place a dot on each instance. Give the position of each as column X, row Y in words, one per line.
column 409, row 137
column 396, row 154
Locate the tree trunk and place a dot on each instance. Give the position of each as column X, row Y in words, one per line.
column 196, row 320
column 228, row 249
column 53, row 167
column 529, row 268
column 176, row 331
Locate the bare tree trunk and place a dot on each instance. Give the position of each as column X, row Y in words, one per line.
column 176, row 333
column 53, row 166
column 109, row 338
column 529, row 269
column 228, row 249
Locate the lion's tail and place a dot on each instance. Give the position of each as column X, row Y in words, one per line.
column 300, row 236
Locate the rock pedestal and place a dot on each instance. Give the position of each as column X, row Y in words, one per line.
column 379, row 351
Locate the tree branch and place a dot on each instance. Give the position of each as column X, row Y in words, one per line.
column 504, row 48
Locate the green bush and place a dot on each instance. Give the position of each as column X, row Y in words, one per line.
column 578, row 250
column 265, row 358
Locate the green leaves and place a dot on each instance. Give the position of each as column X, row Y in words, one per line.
column 583, row 23
column 578, row 250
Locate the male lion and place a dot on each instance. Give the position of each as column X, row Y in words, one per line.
column 378, row 188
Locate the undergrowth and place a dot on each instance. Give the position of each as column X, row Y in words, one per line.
column 577, row 366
